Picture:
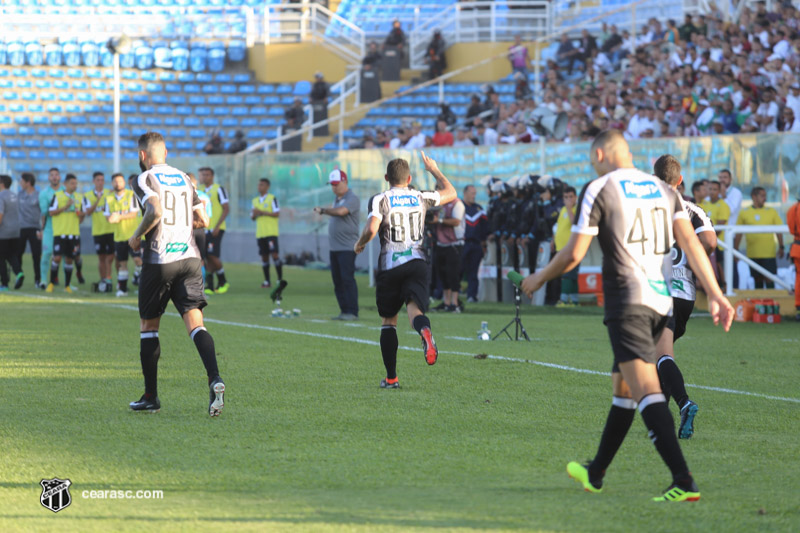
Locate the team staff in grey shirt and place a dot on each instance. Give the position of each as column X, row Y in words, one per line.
column 9, row 234
column 343, row 233
column 30, row 218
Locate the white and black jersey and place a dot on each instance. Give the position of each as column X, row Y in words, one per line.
column 401, row 212
column 172, row 239
column 684, row 285
column 632, row 214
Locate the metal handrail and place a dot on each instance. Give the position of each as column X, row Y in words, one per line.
column 318, row 17
column 730, row 252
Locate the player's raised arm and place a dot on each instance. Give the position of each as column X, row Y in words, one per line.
column 447, row 192
column 720, row 308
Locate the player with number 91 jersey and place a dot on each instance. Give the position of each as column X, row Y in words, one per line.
column 632, row 213
column 172, row 239
column 401, row 212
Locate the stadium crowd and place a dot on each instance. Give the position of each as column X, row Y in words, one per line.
column 701, row 77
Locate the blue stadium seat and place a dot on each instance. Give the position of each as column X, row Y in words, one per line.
column 191, row 88
column 97, row 119
column 58, row 119
column 249, row 122
column 17, row 154
column 128, row 108
column 55, row 154
column 302, row 88
column 275, row 111
column 16, row 108
column 209, row 122
column 105, row 97
column 89, row 143
column 41, row 119
column 106, row 57
column 102, row 132
column 216, row 60
column 221, row 111
column 147, row 109
column 253, row 99
column 61, row 84
column 134, row 120
column 162, row 57
column 230, row 122
column 84, row 97
column 172, row 121
column 222, row 78
column 268, row 122
column 247, row 89
column 41, row 84
column 210, row 89
column 265, row 89
column 77, row 119
column 100, row 85
column 202, row 111
column 149, row 76
column 191, row 122
column 176, row 99
column 284, row 88
column 154, row 88
column 183, row 110
column 33, row 54
column 6, row 84
column 177, row 132
column 204, row 77
column 138, row 98
column 10, row 132
column 93, row 155
column 153, row 121
column 22, row 120
column 197, row 99
column 51, row 143
column 185, row 77
column 198, row 58
column 183, row 145
column 74, row 73
column 237, row 50
column 128, row 60
column 144, row 57
column 10, row 95
column 24, row 84
column 90, row 54
column 28, row 96
column 64, row 131
column 107, row 143
column 215, row 99
column 80, row 85
column 129, row 75
column 180, row 59
column 173, row 88
column 256, row 134
column 74, row 154
column 15, row 54
column 35, row 108
column 164, row 110
column 5, row 119
column 32, row 143
column 91, row 108
column 257, row 111
column 198, row 134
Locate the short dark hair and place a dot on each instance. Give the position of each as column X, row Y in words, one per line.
column 696, row 186
column 606, row 137
column 715, row 182
column 5, row 179
column 206, row 169
column 117, row 174
column 52, row 169
column 668, row 169
column 397, row 171
column 148, row 139
column 97, row 173
column 28, row 178
column 757, row 190
column 728, row 172
column 570, row 188
column 70, row 177
column 466, row 188
column 265, row 180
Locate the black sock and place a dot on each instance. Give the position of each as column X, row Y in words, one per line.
column 122, row 280
column 620, row 418
column 279, row 268
column 149, row 353
column 421, row 322
column 672, row 380
column 265, row 268
column 78, row 265
column 54, row 273
column 658, row 420
column 389, row 350
column 221, row 276
column 205, row 347
column 67, row 274
column 210, row 280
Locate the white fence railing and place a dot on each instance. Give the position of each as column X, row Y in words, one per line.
column 301, row 22
column 349, row 86
column 481, row 22
column 730, row 253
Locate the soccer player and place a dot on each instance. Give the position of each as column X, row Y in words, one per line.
column 684, row 293
column 569, row 281
column 30, row 217
column 200, row 233
column 402, row 278
column 215, row 231
column 65, row 210
column 266, row 212
column 94, row 204
column 171, row 267
column 121, row 211
column 9, row 234
column 636, row 217
column 45, row 199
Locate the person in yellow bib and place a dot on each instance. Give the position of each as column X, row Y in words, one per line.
column 569, row 280
column 215, row 232
column 122, row 211
column 65, row 210
column 720, row 213
column 761, row 246
column 94, row 204
column 266, row 212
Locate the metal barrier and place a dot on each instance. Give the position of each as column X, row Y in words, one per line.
column 481, row 21
column 731, row 252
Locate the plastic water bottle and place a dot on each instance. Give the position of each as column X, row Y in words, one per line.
column 484, row 334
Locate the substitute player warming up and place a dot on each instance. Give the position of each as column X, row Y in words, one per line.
column 402, row 278
column 636, row 216
column 172, row 269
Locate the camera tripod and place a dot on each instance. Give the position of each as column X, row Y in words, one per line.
column 516, row 321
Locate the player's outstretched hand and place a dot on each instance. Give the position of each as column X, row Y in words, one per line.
column 721, row 310
column 430, row 164
column 531, row 284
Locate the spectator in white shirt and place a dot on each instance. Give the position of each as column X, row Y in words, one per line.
column 462, row 140
column 793, row 99
column 399, row 139
column 782, row 48
column 486, row 136
column 731, row 194
column 417, row 140
column 788, row 122
column 767, row 113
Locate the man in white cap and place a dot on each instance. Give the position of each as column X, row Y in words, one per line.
column 343, row 233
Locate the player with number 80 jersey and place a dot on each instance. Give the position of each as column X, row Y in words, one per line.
column 402, row 228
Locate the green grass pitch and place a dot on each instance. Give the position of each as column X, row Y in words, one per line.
column 308, row 442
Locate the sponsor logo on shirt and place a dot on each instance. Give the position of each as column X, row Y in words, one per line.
column 642, row 190
column 170, row 180
column 177, row 247
column 403, row 201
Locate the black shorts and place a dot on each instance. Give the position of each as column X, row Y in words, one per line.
column 67, row 246
column 400, row 285
column 181, row 282
column 634, row 334
column 200, row 241
column 122, row 250
column 214, row 244
column 681, row 311
column 104, row 244
column 448, row 266
column 268, row 245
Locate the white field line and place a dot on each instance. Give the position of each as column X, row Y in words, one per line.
column 408, row 348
